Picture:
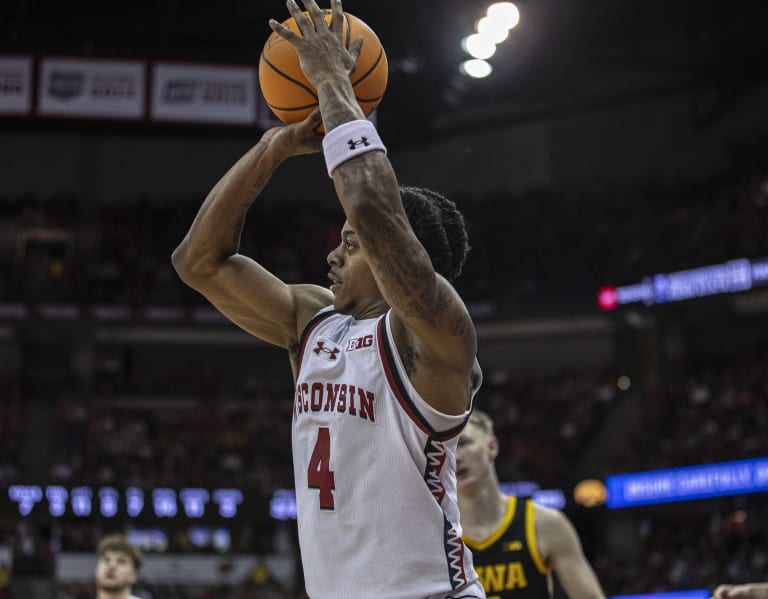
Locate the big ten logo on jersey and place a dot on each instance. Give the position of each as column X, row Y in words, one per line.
column 359, row 343
column 502, row 577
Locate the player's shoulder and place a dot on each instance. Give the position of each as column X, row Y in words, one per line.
column 308, row 301
column 312, row 294
column 555, row 533
column 550, row 521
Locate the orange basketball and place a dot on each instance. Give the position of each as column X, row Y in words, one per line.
column 288, row 93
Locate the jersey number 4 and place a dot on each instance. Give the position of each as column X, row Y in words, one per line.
column 319, row 474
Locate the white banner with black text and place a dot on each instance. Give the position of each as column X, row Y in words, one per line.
column 71, row 87
column 15, row 85
column 203, row 93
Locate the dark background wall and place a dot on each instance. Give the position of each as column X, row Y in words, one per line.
column 658, row 138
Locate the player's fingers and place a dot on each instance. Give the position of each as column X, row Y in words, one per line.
column 355, row 48
column 314, row 11
column 283, row 31
column 302, row 21
column 337, row 17
column 336, row 6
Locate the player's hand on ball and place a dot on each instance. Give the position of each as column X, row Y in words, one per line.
column 297, row 138
column 286, row 88
column 321, row 50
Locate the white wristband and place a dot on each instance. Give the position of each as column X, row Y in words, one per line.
column 349, row 140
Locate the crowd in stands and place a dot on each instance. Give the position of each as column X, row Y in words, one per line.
column 545, row 424
column 530, row 253
column 696, row 546
column 11, row 426
column 717, row 410
column 181, row 442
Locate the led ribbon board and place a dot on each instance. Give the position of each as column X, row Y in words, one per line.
column 692, row 594
column 730, row 277
column 687, row 483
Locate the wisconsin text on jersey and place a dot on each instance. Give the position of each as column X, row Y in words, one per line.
column 334, row 397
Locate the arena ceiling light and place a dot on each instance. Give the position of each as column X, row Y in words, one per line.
column 504, row 13
column 491, row 29
column 478, row 46
column 476, row 68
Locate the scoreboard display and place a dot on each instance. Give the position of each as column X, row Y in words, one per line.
column 42, row 502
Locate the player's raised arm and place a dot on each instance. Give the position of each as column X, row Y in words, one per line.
column 432, row 328
column 207, row 259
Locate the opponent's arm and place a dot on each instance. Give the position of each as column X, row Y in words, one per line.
column 561, row 549
column 429, row 316
column 207, row 259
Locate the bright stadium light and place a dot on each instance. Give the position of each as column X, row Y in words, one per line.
column 505, row 13
column 478, row 46
column 476, row 68
column 492, row 29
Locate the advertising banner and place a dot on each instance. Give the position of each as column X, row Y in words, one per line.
column 15, row 85
column 203, row 93
column 185, row 569
column 71, row 87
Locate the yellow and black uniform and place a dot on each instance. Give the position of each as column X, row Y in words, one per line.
column 508, row 562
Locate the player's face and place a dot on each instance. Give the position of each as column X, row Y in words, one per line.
column 115, row 571
column 352, row 283
column 475, row 455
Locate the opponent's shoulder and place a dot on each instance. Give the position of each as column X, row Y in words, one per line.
column 555, row 533
column 551, row 524
column 549, row 519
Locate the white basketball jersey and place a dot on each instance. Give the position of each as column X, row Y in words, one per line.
column 375, row 470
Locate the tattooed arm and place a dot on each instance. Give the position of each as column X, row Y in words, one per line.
column 433, row 331
column 208, row 260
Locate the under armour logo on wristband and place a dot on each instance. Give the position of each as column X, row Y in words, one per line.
column 348, row 140
column 353, row 143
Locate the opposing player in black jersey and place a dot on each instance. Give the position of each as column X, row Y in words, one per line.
column 516, row 545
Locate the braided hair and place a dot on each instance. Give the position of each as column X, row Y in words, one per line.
column 439, row 226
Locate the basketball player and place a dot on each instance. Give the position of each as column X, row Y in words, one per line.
column 515, row 544
column 117, row 566
column 383, row 359
column 751, row 590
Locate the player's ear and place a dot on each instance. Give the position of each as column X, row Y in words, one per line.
column 493, row 446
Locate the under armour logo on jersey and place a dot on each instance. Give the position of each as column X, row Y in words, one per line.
column 353, row 143
column 329, row 353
